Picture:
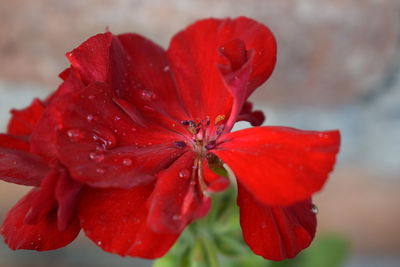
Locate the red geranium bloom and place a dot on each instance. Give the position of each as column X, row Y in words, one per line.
column 45, row 218
column 142, row 127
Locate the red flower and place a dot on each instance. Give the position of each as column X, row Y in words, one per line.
column 45, row 218
column 141, row 128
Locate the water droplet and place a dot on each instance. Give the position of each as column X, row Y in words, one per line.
column 147, row 95
column 117, row 118
column 91, row 97
column 75, row 135
column 166, row 68
column 96, row 156
column 176, row 217
column 133, row 129
column 100, row 170
column 314, row 209
column 150, row 143
column 99, row 243
column 90, row 118
column 127, row 162
column 184, row 174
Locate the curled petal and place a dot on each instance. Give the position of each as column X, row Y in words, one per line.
column 276, row 232
column 43, row 235
column 280, row 165
column 255, row 118
column 217, row 64
column 115, row 220
column 91, row 58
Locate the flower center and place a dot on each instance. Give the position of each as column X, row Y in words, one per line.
column 203, row 134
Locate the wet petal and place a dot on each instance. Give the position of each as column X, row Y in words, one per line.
column 280, row 165
column 44, row 235
column 141, row 75
column 91, row 58
column 115, row 220
column 276, row 232
column 177, row 198
column 102, row 144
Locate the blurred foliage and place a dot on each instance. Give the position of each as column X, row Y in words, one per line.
column 216, row 240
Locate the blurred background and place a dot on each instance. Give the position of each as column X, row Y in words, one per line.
column 338, row 68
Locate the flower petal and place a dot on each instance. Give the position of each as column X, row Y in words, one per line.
column 280, row 165
column 276, row 232
column 140, row 74
column 103, row 146
column 177, row 198
column 91, row 58
column 21, row 167
column 66, row 192
column 44, row 235
column 207, row 55
column 24, row 121
column 115, row 220
column 43, row 138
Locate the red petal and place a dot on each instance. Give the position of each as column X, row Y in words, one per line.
column 24, row 121
column 43, row 201
column 255, row 118
column 280, row 165
column 14, row 142
column 177, row 198
column 66, row 193
column 20, row 167
column 41, row 236
column 194, row 56
column 115, row 220
column 275, row 232
column 103, row 146
column 91, row 58
column 140, row 75
column 215, row 183
column 43, row 139
column 204, row 50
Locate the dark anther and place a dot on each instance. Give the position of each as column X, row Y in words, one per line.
column 180, row 144
column 210, row 145
column 185, row 123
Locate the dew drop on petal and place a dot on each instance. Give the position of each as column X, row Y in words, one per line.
column 91, row 97
column 99, row 243
column 314, row 209
column 127, row 162
column 100, row 170
column 117, row 118
column 147, row 94
column 184, row 174
column 75, row 135
column 176, row 217
column 89, row 118
column 166, row 68
column 96, row 156
column 133, row 129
